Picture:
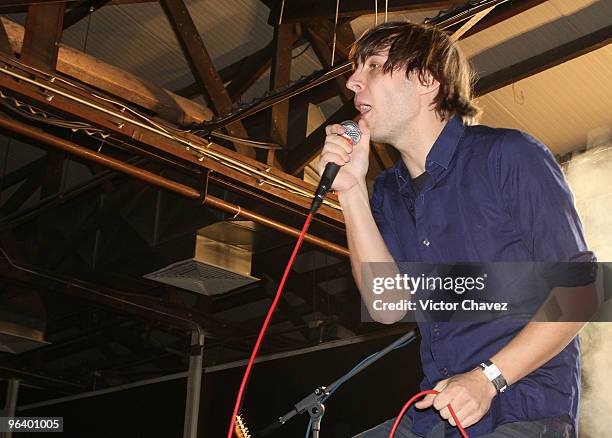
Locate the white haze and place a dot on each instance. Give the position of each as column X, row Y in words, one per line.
column 590, row 176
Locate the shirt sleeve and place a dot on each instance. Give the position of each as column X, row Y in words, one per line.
column 376, row 201
column 382, row 211
column 539, row 200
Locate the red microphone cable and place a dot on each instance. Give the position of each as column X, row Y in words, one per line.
column 412, row 400
column 245, row 378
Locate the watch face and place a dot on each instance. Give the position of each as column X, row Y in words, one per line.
column 491, row 373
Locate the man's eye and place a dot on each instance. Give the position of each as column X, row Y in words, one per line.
column 373, row 66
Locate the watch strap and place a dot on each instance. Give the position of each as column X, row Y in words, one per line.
column 494, row 375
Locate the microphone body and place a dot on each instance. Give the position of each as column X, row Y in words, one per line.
column 352, row 134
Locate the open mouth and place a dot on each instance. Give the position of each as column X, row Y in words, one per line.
column 363, row 108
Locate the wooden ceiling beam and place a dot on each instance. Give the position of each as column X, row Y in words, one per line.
column 250, row 71
column 5, row 44
column 165, row 149
column 251, row 66
column 202, row 67
column 117, row 82
column 17, row 6
column 280, row 74
column 43, row 33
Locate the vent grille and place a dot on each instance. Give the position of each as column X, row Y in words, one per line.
column 199, row 277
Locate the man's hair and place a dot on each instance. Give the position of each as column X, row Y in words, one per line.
column 423, row 49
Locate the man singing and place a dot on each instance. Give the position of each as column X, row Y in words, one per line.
column 459, row 193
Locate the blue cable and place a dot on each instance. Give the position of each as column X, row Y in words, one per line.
column 350, row 374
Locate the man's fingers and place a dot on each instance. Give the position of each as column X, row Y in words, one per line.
column 445, row 413
column 330, row 157
column 336, row 141
column 336, row 129
column 469, row 420
column 426, row 402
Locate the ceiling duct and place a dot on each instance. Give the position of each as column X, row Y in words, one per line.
column 22, row 321
column 219, row 260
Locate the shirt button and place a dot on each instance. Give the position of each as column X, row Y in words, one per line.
column 445, row 371
column 426, row 242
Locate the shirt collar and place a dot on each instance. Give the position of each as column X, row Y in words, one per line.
column 445, row 146
column 441, row 152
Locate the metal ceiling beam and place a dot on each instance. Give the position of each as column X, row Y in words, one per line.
column 23, row 172
column 301, row 10
column 22, row 194
column 544, row 61
column 43, row 33
column 202, row 67
column 53, row 173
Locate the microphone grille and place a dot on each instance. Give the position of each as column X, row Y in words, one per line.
column 352, row 131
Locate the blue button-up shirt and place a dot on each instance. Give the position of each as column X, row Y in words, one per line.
column 494, row 195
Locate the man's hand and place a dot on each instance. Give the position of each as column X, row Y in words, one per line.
column 469, row 394
column 354, row 159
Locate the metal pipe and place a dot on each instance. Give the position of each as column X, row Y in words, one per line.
column 49, row 379
column 194, row 385
column 156, row 180
column 12, row 391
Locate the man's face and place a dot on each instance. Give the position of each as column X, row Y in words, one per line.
column 387, row 101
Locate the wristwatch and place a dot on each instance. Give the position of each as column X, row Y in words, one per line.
column 494, row 375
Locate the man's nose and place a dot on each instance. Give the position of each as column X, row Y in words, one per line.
column 354, row 82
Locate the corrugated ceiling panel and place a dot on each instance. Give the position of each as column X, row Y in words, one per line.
column 560, row 105
column 363, row 23
column 231, row 29
column 134, row 37
column 534, row 31
column 138, row 38
column 535, row 17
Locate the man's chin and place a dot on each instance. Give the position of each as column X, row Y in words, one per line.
column 376, row 137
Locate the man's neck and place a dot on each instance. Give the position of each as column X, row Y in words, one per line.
column 418, row 141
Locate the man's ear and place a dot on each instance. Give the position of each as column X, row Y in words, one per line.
column 429, row 84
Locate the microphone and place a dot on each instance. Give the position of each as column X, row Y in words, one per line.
column 352, row 134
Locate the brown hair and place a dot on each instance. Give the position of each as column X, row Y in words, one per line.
column 423, row 49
